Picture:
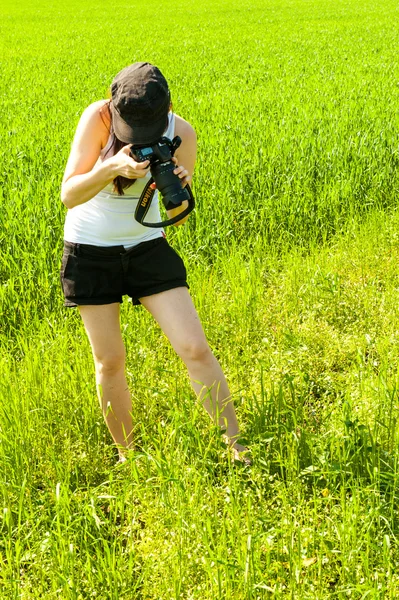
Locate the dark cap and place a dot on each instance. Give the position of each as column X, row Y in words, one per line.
column 140, row 104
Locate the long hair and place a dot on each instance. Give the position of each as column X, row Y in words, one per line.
column 120, row 183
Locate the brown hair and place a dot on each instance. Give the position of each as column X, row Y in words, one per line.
column 120, row 183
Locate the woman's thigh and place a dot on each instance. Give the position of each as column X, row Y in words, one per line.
column 176, row 315
column 103, row 330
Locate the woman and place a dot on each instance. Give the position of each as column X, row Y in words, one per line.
column 108, row 254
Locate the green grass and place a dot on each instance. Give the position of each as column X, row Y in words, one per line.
column 292, row 255
column 315, row 516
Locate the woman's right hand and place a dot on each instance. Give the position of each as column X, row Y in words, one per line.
column 126, row 166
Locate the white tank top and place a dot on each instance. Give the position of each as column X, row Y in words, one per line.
column 108, row 219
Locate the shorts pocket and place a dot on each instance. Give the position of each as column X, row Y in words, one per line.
column 83, row 278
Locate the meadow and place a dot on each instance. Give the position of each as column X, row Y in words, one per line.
column 292, row 254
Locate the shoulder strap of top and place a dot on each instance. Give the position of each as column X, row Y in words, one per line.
column 170, row 132
column 108, row 144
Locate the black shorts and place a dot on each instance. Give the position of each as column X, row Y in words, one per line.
column 102, row 275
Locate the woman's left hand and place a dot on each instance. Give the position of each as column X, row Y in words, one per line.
column 181, row 172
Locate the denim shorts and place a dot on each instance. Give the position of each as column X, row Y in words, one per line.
column 102, row 275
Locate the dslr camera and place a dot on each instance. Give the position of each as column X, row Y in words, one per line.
column 161, row 168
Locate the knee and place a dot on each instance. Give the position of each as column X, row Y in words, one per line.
column 195, row 351
column 110, row 364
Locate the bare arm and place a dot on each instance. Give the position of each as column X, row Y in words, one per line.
column 185, row 158
column 84, row 177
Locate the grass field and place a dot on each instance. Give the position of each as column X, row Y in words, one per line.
column 292, row 255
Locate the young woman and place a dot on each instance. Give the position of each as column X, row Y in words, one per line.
column 107, row 254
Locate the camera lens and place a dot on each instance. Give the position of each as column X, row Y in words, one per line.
column 169, row 184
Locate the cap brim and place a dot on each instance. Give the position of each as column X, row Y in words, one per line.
column 138, row 134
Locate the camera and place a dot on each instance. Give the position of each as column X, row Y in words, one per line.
column 162, row 167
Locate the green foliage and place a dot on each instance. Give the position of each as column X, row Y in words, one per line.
column 292, row 255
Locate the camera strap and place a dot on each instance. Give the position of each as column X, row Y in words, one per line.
column 144, row 203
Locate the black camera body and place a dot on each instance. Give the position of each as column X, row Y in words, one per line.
column 162, row 167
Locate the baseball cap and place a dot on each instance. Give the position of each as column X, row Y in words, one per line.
column 140, row 104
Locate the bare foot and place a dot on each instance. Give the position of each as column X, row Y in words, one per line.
column 240, row 452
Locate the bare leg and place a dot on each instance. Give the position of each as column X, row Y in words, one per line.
column 103, row 329
column 177, row 317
